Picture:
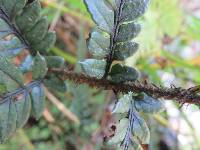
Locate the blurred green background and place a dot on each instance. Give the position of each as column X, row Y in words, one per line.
column 80, row 119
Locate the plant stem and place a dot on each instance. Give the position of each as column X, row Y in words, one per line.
column 179, row 95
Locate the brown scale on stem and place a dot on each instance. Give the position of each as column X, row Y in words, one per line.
column 179, row 95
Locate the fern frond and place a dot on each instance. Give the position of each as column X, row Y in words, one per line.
column 112, row 39
column 23, row 28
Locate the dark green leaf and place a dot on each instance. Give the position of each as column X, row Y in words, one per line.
column 55, row 61
column 48, row 41
column 125, row 50
column 128, row 31
column 38, row 32
column 13, row 7
column 132, row 9
column 29, row 16
column 55, row 83
column 121, row 73
column 39, row 69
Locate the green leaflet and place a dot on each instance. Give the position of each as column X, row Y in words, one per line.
column 38, row 101
column 9, row 48
column 121, row 73
column 133, row 9
column 3, row 88
column 23, row 109
column 29, row 16
column 13, row 115
column 127, row 32
column 101, row 14
column 140, row 128
column 7, row 83
column 148, row 104
column 10, row 71
column 94, row 67
column 8, row 120
column 13, row 7
column 37, row 33
column 47, row 42
column 55, row 83
column 4, row 29
column 55, row 61
column 125, row 50
column 99, row 43
column 120, row 132
column 123, row 105
column 39, row 69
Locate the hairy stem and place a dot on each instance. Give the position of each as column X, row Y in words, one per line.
column 179, row 95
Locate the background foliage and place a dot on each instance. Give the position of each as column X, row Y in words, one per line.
column 81, row 119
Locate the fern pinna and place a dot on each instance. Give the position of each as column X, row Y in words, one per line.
column 23, row 28
column 110, row 43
